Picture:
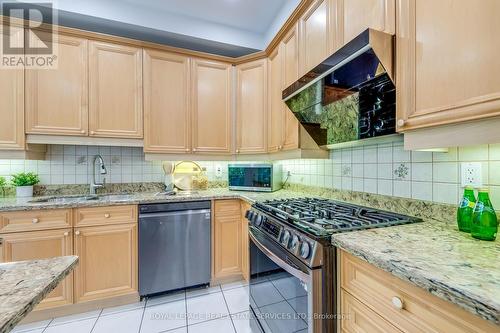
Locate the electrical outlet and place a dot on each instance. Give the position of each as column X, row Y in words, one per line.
column 218, row 171
column 471, row 174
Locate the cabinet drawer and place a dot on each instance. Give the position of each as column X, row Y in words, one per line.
column 358, row 318
column 35, row 220
column 227, row 208
column 105, row 215
column 420, row 311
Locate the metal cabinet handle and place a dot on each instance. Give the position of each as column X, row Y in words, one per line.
column 187, row 150
column 397, row 302
column 77, row 232
column 82, row 131
column 92, row 132
column 107, row 215
column 35, row 220
column 66, row 233
column 194, row 149
column 237, row 151
column 401, row 122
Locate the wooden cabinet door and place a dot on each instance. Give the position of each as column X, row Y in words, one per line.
column 227, row 248
column 290, row 52
column 251, row 111
column 166, row 103
column 12, row 103
column 41, row 245
column 245, row 245
column 115, row 74
column 355, row 16
column 57, row 99
column 315, row 37
column 211, row 107
column 108, row 261
column 276, row 108
column 450, row 76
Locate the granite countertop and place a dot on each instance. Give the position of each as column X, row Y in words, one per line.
column 24, row 284
column 18, row 204
column 436, row 257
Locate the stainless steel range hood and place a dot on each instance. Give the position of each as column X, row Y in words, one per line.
column 351, row 95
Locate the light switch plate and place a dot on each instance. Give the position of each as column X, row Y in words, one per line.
column 471, row 174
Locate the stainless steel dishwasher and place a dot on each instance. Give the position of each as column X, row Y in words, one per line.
column 174, row 246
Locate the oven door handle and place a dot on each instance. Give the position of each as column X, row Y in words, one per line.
column 286, row 265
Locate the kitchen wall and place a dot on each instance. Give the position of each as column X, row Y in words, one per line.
column 390, row 170
column 73, row 165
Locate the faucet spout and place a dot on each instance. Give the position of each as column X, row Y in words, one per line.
column 94, row 185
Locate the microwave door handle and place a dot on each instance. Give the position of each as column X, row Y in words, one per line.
column 280, row 262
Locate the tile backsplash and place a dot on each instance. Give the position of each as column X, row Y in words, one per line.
column 390, row 170
column 73, row 165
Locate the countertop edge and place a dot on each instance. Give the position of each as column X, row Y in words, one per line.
column 14, row 320
column 445, row 292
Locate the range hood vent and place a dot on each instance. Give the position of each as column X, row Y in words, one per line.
column 351, row 95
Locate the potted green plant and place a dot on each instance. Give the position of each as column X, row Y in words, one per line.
column 3, row 184
column 24, row 182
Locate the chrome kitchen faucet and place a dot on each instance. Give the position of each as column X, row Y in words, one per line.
column 102, row 170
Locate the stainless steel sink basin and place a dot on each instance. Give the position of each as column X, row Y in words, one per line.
column 65, row 199
column 69, row 199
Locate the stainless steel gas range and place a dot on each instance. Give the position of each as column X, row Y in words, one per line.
column 292, row 261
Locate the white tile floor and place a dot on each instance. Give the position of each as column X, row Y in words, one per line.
column 221, row 309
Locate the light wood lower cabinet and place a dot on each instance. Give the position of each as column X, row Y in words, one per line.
column 108, row 261
column 40, row 245
column 115, row 101
column 245, row 245
column 360, row 319
column 406, row 307
column 227, row 240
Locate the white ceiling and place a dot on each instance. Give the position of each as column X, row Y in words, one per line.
column 247, row 23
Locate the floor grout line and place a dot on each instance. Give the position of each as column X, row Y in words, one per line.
column 228, row 311
column 143, row 313
column 186, row 308
column 45, row 328
column 95, row 323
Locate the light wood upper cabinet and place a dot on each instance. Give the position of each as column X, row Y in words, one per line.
column 108, row 261
column 12, row 104
column 57, row 99
column 276, row 113
column 251, row 110
column 450, row 76
column 41, row 245
column 315, row 35
column 355, row 16
column 211, row 91
column 166, row 103
column 290, row 51
column 115, row 74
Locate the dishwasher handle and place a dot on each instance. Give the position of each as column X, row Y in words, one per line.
column 176, row 213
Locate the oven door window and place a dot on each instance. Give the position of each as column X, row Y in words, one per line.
column 279, row 300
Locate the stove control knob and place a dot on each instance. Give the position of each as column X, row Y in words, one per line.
column 295, row 242
column 258, row 220
column 249, row 215
column 305, row 250
column 285, row 240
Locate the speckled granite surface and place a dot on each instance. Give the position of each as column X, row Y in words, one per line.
column 437, row 257
column 433, row 255
column 24, row 284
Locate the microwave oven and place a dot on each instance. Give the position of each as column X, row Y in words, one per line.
column 255, row 177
